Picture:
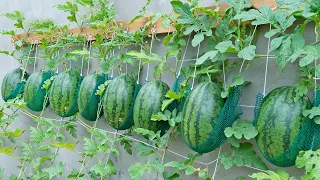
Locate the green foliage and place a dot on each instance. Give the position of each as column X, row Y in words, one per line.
column 241, row 129
column 279, row 175
column 18, row 17
column 242, row 156
column 310, row 160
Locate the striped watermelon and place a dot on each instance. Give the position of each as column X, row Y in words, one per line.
column 12, row 85
column 203, row 78
column 200, row 114
column 88, row 101
column 34, row 94
column 118, row 102
column 63, row 93
column 279, row 121
column 148, row 102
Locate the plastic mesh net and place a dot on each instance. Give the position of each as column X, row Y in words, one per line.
column 36, row 103
column 18, row 90
column 229, row 113
column 178, row 104
column 91, row 108
column 308, row 138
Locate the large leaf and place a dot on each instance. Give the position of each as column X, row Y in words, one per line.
column 270, row 175
column 241, row 156
column 241, row 129
column 310, row 160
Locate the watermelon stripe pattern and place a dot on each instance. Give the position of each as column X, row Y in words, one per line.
column 200, row 114
column 118, row 102
column 88, row 100
column 34, row 94
column 279, row 121
column 64, row 92
column 148, row 102
column 12, row 85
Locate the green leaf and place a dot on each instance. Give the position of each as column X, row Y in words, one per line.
column 176, row 164
column 91, row 148
column 248, row 53
column 55, row 171
column 225, row 46
column 237, row 80
column 145, row 132
column 184, row 10
column 203, row 58
column 279, row 175
column 310, row 160
column 241, row 129
column 241, row 156
column 271, row 33
column 233, row 141
column 68, row 146
column 247, row 15
column 137, row 170
column 265, row 17
column 239, row 5
column 6, row 150
column 74, row 174
column 197, row 39
column 12, row 134
column 302, row 88
column 276, row 43
column 144, row 150
column 190, row 170
column 104, row 170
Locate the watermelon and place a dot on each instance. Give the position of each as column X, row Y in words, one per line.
column 34, row 94
column 200, row 114
column 63, row 93
column 118, row 102
column 88, row 100
column 279, row 121
column 12, row 84
column 203, row 78
column 148, row 102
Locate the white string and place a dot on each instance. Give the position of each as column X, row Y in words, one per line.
column 115, row 135
column 195, row 67
column 35, row 57
column 253, row 33
column 153, row 31
column 84, row 47
column 184, row 55
column 216, row 167
column 266, row 68
column 90, row 47
column 12, row 59
column 139, row 70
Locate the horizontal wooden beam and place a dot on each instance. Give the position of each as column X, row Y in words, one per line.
column 34, row 38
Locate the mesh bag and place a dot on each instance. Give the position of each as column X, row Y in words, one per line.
column 90, row 110
column 229, row 113
column 307, row 139
column 18, row 90
column 36, row 103
column 9, row 83
column 128, row 122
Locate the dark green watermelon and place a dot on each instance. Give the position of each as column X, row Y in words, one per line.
column 34, row 94
column 118, row 102
column 203, row 78
column 88, row 100
column 148, row 102
column 279, row 121
column 64, row 92
column 200, row 114
column 12, row 84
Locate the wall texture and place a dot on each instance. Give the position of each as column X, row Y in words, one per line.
column 127, row 9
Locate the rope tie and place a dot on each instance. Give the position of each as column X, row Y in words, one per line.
column 35, row 56
column 85, row 44
column 266, row 67
column 184, row 56
column 153, row 31
column 195, row 68
column 90, row 48
column 216, row 167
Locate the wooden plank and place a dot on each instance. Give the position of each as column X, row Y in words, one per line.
column 90, row 33
column 257, row 3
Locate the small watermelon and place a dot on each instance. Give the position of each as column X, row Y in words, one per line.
column 200, row 114
column 279, row 121
column 12, row 84
column 88, row 100
column 63, row 93
column 34, row 94
column 148, row 102
column 118, row 102
column 203, row 78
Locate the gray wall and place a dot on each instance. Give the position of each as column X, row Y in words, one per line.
column 127, row 9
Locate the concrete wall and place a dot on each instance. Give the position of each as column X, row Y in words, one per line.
column 126, row 9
